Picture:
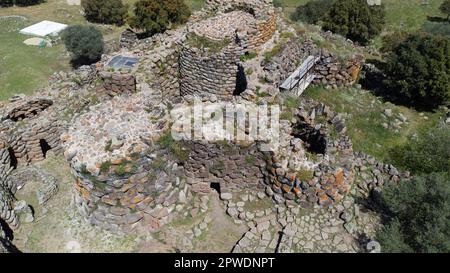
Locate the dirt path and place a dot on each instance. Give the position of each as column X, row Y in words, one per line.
column 222, row 233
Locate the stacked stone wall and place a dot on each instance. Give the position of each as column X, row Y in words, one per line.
column 332, row 73
column 6, row 210
column 30, row 130
column 205, row 74
column 232, row 166
column 159, row 62
column 116, row 83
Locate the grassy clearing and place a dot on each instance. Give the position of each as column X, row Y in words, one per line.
column 365, row 119
column 400, row 14
column 23, row 69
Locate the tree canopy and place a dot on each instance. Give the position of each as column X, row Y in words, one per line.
column 154, row 16
column 417, row 71
column 355, row 19
column 419, row 212
column 312, row 12
column 445, row 8
column 105, row 11
column 84, row 42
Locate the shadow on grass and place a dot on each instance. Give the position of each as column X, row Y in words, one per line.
column 78, row 62
column 373, row 78
column 438, row 19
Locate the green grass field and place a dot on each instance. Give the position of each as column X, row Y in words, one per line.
column 24, row 68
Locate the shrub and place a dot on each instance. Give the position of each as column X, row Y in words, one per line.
column 393, row 40
column 105, row 11
column 418, row 71
column 278, row 3
column 429, row 153
column 355, row 19
column 84, row 42
column 20, row 3
column 312, row 12
column 445, row 8
column 418, row 212
column 154, row 16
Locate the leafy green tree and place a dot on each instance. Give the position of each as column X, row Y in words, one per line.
column 154, row 16
column 278, row 3
column 355, row 19
column 312, row 12
column 445, row 8
column 105, row 11
column 84, row 42
column 430, row 152
column 418, row 211
column 418, row 71
column 7, row 3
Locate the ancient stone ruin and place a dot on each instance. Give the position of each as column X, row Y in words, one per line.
column 30, row 130
column 114, row 127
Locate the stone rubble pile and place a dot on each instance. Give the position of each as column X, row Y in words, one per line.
column 331, row 177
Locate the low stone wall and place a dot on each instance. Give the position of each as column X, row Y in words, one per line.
column 116, row 83
column 232, row 166
column 331, row 73
column 206, row 74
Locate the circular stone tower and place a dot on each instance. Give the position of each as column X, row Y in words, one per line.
column 123, row 182
column 210, row 57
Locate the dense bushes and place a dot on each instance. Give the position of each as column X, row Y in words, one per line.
column 355, row 19
column 419, row 213
column 312, row 12
column 445, row 8
column 418, row 71
column 7, row 3
column 428, row 153
column 105, row 11
column 154, row 16
column 84, row 42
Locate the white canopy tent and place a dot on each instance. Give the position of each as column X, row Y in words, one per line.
column 43, row 29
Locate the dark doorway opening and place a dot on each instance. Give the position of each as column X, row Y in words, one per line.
column 315, row 141
column 215, row 186
column 12, row 158
column 44, row 147
column 241, row 81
